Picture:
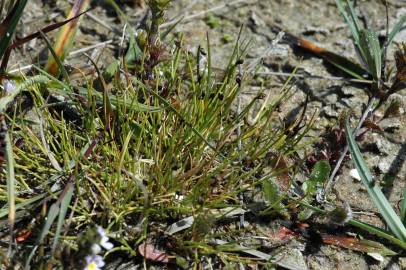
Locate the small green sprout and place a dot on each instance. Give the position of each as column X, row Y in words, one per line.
column 212, row 21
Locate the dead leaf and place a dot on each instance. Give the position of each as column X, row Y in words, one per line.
column 281, row 166
column 362, row 245
column 23, row 235
column 283, row 234
column 149, row 252
column 371, row 125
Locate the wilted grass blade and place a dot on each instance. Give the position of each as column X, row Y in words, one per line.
column 66, row 36
column 9, row 24
column 44, row 30
column 374, row 191
column 354, row 243
column 30, row 37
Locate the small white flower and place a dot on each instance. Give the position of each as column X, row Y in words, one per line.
column 9, row 86
column 203, row 64
column 179, row 197
column 96, row 249
column 94, row 262
column 104, row 241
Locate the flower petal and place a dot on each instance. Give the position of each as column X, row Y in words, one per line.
column 96, row 249
column 107, row 245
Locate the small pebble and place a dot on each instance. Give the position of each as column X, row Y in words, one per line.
column 354, row 174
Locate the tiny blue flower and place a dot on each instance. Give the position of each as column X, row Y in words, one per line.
column 104, row 241
column 94, row 262
column 9, row 86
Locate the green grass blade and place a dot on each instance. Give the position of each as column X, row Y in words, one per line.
column 354, row 17
column 10, row 181
column 347, row 66
column 23, row 205
column 377, row 231
column 374, row 191
column 9, row 24
column 208, row 144
column 57, row 60
column 359, row 224
column 62, row 213
column 6, row 100
column 117, row 9
column 52, row 214
column 396, row 29
column 131, row 104
column 170, row 29
column 353, row 25
column 369, row 44
column 403, row 207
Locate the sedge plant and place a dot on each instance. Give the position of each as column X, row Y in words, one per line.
column 157, row 140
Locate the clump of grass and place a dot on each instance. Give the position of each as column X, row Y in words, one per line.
column 159, row 140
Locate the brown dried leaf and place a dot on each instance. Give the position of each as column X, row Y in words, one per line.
column 149, row 252
column 371, row 125
column 281, row 166
column 361, row 245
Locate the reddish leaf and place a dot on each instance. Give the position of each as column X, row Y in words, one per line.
column 23, row 235
column 149, row 252
column 336, row 59
column 371, row 125
column 283, row 234
column 353, row 243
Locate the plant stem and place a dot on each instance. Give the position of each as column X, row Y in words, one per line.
column 361, row 225
column 364, row 116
